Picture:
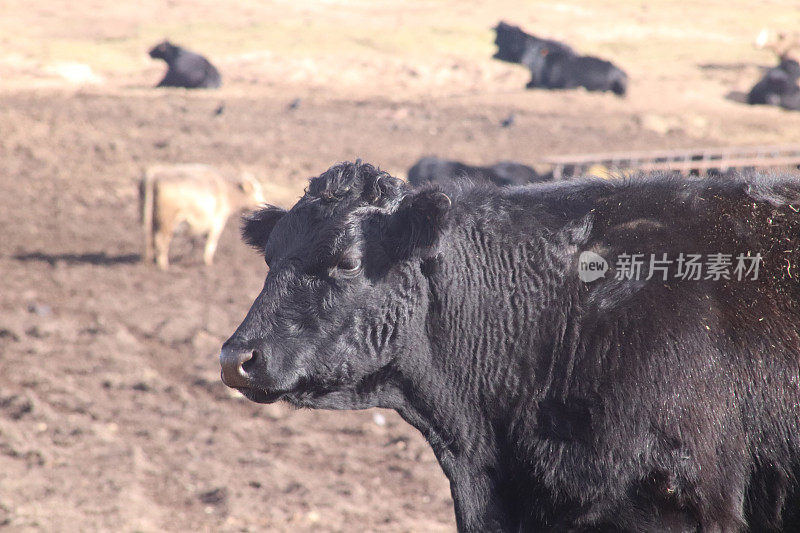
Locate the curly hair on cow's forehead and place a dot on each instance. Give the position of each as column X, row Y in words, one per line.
column 357, row 182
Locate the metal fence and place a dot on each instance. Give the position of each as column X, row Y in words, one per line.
column 686, row 162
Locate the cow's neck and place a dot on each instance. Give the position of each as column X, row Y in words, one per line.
column 464, row 442
column 484, row 369
column 498, row 314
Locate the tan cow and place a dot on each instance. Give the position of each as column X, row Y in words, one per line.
column 196, row 194
column 785, row 45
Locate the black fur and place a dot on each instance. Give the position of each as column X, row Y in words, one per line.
column 257, row 225
column 552, row 404
column 435, row 169
column 184, row 68
column 560, row 70
column 778, row 86
column 554, row 65
column 514, row 45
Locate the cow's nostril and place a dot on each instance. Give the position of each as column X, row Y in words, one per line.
column 249, row 363
column 232, row 361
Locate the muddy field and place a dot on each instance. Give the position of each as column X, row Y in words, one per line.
column 112, row 414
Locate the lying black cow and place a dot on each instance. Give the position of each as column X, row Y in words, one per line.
column 560, row 70
column 554, row 65
column 434, row 169
column 554, row 401
column 184, row 68
column 778, row 86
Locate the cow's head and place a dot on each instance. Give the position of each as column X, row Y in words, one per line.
column 791, row 68
column 164, row 50
column 251, row 188
column 511, row 43
column 345, row 294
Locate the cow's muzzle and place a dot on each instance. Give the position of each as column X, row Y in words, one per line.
column 232, row 360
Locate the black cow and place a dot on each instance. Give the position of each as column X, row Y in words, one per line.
column 560, row 70
column 184, row 68
column 434, row 169
column 554, row 65
column 553, row 401
column 778, row 86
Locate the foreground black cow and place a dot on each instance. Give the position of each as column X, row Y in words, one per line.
column 184, row 68
column 435, row 169
column 552, row 401
column 778, row 86
column 554, row 65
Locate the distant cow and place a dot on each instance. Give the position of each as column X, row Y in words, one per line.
column 184, row 68
column 778, row 86
column 554, row 65
column 560, row 70
column 570, row 368
column 434, row 169
column 196, row 194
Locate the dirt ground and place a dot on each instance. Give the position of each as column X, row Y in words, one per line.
column 112, row 414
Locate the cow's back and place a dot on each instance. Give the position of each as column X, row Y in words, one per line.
column 195, row 194
column 196, row 71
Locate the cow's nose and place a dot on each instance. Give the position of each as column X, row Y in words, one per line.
column 232, row 360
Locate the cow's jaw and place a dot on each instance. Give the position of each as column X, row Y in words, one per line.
column 260, row 395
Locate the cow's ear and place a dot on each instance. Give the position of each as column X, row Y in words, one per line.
column 415, row 227
column 257, row 225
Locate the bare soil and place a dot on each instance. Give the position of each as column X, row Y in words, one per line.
column 112, row 414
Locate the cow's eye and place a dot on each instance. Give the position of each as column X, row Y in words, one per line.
column 347, row 266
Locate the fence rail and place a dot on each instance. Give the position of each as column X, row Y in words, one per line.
column 694, row 161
